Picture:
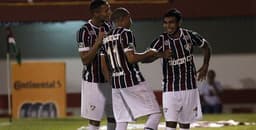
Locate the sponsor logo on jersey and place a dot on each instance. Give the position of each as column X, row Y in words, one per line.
column 111, row 38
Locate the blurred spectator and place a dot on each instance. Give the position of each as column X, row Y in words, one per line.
column 210, row 91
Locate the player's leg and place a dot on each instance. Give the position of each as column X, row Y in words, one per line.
column 92, row 104
column 191, row 111
column 184, row 126
column 171, row 109
column 111, row 123
column 170, row 125
column 153, row 121
column 106, row 90
column 93, row 125
column 121, row 125
column 142, row 102
column 121, row 111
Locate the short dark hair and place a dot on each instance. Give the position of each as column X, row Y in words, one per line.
column 118, row 14
column 95, row 4
column 173, row 13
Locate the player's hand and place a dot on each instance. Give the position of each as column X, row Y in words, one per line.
column 202, row 72
column 99, row 39
column 167, row 54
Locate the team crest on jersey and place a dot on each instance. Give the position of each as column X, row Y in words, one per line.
column 195, row 111
column 92, row 107
column 165, row 109
column 81, row 45
column 188, row 46
column 186, row 37
column 166, row 42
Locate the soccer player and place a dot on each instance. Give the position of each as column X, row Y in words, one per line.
column 96, row 93
column 181, row 103
column 132, row 98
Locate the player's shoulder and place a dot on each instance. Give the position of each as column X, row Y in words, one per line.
column 163, row 36
column 125, row 31
column 190, row 32
column 84, row 27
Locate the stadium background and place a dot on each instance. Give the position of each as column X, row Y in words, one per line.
column 46, row 31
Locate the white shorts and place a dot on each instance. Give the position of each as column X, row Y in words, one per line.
column 134, row 102
column 96, row 99
column 182, row 106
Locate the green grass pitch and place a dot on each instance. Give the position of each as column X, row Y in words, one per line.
column 72, row 123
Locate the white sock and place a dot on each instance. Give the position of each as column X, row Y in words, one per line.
column 121, row 125
column 184, row 128
column 92, row 127
column 111, row 126
column 153, row 121
column 169, row 128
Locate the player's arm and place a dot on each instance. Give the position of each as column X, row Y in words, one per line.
column 202, row 72
column 134, row 57
column 157, row 47
column 105, row 70
column 165, row 54
column 87, row 56
column 206, row 49
column 151, row 59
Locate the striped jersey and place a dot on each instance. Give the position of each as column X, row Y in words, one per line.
column 115, row 45
column 85, row 39
column 179, row 72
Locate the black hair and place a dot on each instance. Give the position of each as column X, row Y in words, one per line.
column 95, row 4
column 173, row 13
column 118, row 14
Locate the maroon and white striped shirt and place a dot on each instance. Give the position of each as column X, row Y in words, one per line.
column 179, row 72
column 115, row 45
column 85, row 38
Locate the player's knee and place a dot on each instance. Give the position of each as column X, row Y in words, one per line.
column 156, row 116
column 185, row 126
column 94, row 123
column 153, row 121
column 171, row 124
column 111, row 120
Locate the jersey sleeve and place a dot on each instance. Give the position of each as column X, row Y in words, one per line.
column 157, row 44
column 82, row 42
column 197, row 39
column 128, row 41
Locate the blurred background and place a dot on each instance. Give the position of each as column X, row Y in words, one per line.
column 45, row 31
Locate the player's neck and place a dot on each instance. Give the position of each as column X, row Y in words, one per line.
column 97, row 22
column 176, row 34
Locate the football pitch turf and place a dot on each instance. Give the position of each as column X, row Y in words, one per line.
column 72, row 123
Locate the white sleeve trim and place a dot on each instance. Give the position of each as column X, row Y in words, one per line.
column 128, row 49
column 84, row 49
column 153, row 49
column 11, row 40
column 203, row 42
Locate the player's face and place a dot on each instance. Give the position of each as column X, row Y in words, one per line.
column 104, row 12
column 170, row 24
